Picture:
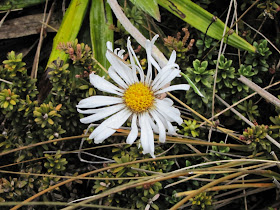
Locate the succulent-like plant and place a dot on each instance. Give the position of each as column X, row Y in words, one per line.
column 190, row 128
column 269, row 8
column 226, row 73
column 55, row 163
column 259, row 60
column 203, row 80
column 202, row 201
column 46, row 115
column 205, row 45
column 247, row 72
column 14, row 62
column 249, row 109
column 256, row 138
column 8, row 100
column 59, row 77
column 217, row 150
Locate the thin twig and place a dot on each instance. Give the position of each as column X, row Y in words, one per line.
column 201, row 117
column 271, row 98
column 216, row 70
column 248, row 122
column 263, row 37
column 226, row 201
column 238, row 102
column 2, row 80
column 3, row 18
column 47, row 25
column 37, row 55
column 236, row 30
column 218, row 60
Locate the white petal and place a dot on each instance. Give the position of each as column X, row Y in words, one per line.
column 112, row 73
column 132, row 56
column 161, row 128
column 168, row 101
column 155, row 64
column 120, row 53
column 100, row 115
column 171, row 113
column 120, row 67
column 103, row 85
column 150, row 58
column 109, row 126
column 98, row 101
column 147, row 136
column 88, row 111
column 163, row 74
column 92, row 111
column 116, row 51
column 153, row 125
column 109, row 46
column 134, row 130
column 171, row 128
column 166, row 78
column 162, row 119
column 167, row 124
column 171, row 66
column 172, row 58
column 174, row 87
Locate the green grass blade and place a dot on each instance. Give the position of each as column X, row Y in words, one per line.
column 69, row 28
column 148, row 6
column 17, row 4
column 100, row 20
column 192, row 84
column 201, row 19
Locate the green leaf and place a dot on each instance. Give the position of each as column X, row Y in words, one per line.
column 201, row 20
column 69, row 28
column 84, row 87
column 197, row 79
column 148, row 6
column 17, row 4
column 6, row 104
column 196, row 64
column 50, row 121
column 206, row 82
column 192, row 84
column 204, row 64
column 20, row 158
column 100, row 18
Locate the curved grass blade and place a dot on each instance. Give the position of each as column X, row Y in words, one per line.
column 69, row 28
column 205, row 21
column 100, row 19
column 192, row 84
column 148, row 6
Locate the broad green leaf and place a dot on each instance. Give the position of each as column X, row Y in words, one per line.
column 201, row 20
column 17, row 4
column 192, row 84
column 69, row 28
column 148, row 6
column 100, row 19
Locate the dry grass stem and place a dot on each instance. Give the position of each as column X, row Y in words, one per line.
column 269, row 97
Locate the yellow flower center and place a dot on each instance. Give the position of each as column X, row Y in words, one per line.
column 138, row 97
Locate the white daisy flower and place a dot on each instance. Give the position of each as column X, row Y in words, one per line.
column 137, row 97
